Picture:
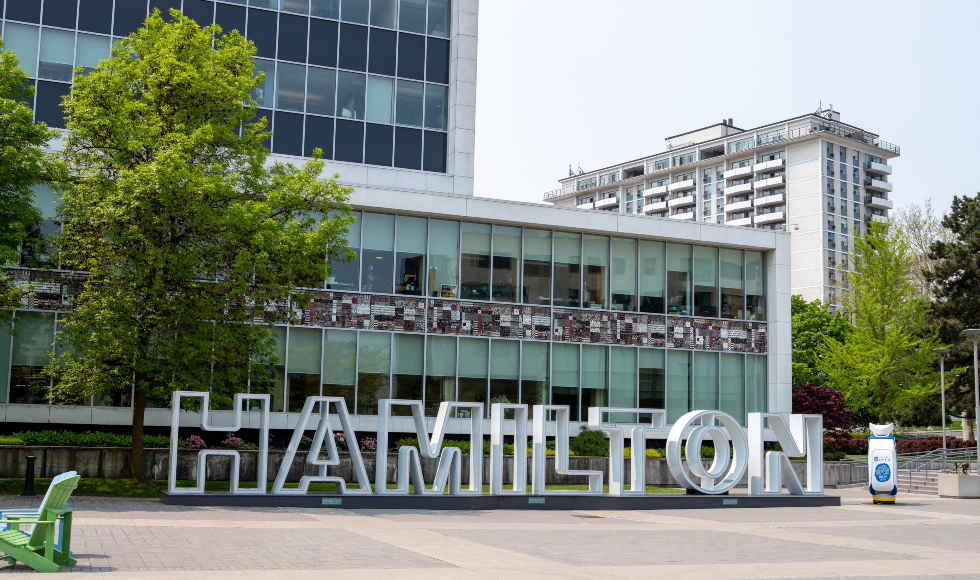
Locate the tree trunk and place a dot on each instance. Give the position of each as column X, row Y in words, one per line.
column 968, row 434
column 136, row 456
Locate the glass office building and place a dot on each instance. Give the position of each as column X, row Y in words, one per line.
column 451, row 297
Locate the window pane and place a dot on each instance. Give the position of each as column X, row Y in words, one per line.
column 290, row 86
column 756, row 384
column 22, row 39
column 440, row 372
column 596, row 271
column 651, row 276
column 261, row 31
column 58, row 12
column 323, row 49
column 353, row 47
column 731, row 284
column 406, row 370
column 380, row 97
column 473, row 374
column 279, row 371
column 292, row 37
column 434, row 158
column 705, row 281
column 439, row 18
column 24, row 10
column 32, row 344
column 623, row 274
column 319, row 135
column 350, row 95
column 409, row 103
column 378, row 144
column 443, row 258
column 436, row 111
column 410, row 257
column 163, row 5
column 91, row 50
column 534, row 374
column 755, row 285
column 47, row 106
column 733, row 385
column 378, row 253
column 678, row 384
column 200, row 11
column 373, row 365
column 504, row 371
column 704, row 389
column 303, row 368
column 506, row 263
column 475, row 283
column 325, row 8
column 95, row 16
column 264, row 90
column 343, row 275
column 651, row 379
column 594, row 374
column 229, row 18
column 320, row 86
column 5, row 339
column 129, row 16
column 622, row 387
column 354, row 11
column 537, row 267
column 382, row 53
column 411, row 17
column 564, row 380
column 57, row 54
column 408, row 148
column 297, row 6
column 411, row 56
column 568, row 259
column 678, row 279
column 437, row 61
column 384, row 12
column 349, row 142
column 287, row 137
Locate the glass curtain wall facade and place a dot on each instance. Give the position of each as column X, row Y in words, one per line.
column 364, row 81
column 444, row 310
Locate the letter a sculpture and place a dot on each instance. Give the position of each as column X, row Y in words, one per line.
column 882, row 463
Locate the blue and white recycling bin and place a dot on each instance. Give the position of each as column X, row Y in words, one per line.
column 882, row 464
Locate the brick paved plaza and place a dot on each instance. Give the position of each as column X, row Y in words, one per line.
column 922, row 535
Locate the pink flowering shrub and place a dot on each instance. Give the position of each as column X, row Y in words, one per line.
column 369, row 444
column 195, row 442
column 232, row 441
column 341, row 441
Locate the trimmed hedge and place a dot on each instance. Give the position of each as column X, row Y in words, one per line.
column 85, row 439
column 860, row 446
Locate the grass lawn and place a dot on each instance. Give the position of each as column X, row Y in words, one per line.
column 152, row 489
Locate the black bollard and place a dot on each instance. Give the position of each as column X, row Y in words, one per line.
column 29, row 478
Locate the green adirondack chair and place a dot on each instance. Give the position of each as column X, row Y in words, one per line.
column 37, row 549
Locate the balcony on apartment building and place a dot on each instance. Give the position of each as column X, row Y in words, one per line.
column 738, row 172
column 745, row 221
column 766, row 200
column 682, row 200
column 607, row 203
column 879, row 218
column 683, row 215
column 773, row 216
column 878, row 202
column 681, row 185
column 771, row 182
column 731, row 190
column 880, row 168
column 877, row 184
column 769, row 165
column 586, row 205
column 659, row 190
column 741, row 205
column 655, row 206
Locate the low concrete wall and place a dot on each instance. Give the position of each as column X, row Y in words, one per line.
column 114, row 463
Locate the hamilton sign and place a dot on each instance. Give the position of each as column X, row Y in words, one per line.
column 736, row 450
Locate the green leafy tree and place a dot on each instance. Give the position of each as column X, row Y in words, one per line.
column 887, row 361
column 813, row 323
column 955, row 279
column 23, row 164
column 187, row 236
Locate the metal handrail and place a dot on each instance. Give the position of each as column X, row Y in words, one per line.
column 936, row 460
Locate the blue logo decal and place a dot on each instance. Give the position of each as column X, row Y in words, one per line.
column 883, row 472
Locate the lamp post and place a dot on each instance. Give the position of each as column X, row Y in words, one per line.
column 942, row 352
column 974, row 334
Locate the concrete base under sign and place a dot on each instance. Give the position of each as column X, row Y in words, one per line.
column 661, row 501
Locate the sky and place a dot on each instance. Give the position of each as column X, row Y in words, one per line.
column 602, row 82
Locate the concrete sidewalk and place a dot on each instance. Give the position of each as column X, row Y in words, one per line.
column 920, row 536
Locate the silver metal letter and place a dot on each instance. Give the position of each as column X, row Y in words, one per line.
column 685, row 428
column 798, row 435
column 638, row 446
column 539, row 453
column 519, row 486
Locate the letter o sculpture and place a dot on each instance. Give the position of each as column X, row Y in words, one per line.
column 698, row 426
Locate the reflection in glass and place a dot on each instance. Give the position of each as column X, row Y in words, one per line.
column 263, row 93
column 350, row 95
column 411, row 17
column 339, row 365
column 57, row 54
column 22, row 39
column 383, row 13
column 439, row 18
column 436, row 110
column 564, row 380
column 678, row 279
column 377, row 254
column 406, row 370
column 440, row 372
column 622, row 384
column 568, row 260
column 408, row 105
column 756, row 385
column 344, row 275
column 475, row 257
column 410, row 257
column 290, row 86
column 755, row 285
column 373, row 365
column 279, row 371
column 354, row 11
column 506, row 263
column 90, row 50
column 705, row 281
column 505, row 356
column 733, row 385
column 651, row 378
column 325, row 8
column 678, row 384
column 623, row 274
column 594, row 374
column 443, row 258
column 537, row 267
column 296, row 6
column 303, row 366
column 380, row 97
column 731, row 284
column 704, row 387
column 534, row 374
column 596, row 286
column 474, row 354
column 31, row 345
column 321, row 83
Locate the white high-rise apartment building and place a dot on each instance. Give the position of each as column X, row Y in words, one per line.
column 819, row 178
